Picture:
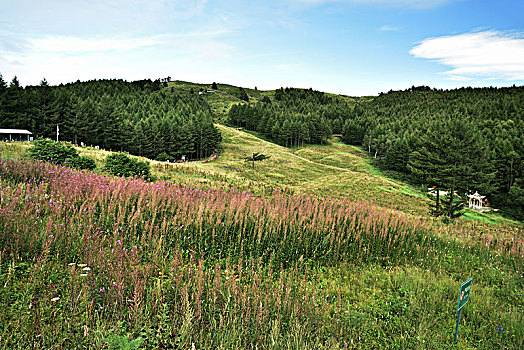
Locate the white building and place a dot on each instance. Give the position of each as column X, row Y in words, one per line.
column 475, row 200
column 15, row 135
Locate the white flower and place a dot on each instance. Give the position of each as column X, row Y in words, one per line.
column 82, row 265
column 87, row 268
column 83, row 274
column 55, row 299
column 71, row 264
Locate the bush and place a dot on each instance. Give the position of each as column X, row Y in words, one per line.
column 60, row 153
column 162, row 157
column 52, row 151
column 82, row 163
column 121, row 164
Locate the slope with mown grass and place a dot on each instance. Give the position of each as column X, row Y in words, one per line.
column 334, row 170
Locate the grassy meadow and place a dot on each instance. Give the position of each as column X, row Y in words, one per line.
column 313, row 249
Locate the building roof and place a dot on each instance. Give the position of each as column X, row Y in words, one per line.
column 15, row 131
column 476, row 195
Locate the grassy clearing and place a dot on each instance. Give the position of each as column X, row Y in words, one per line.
column 175, row 265
column 334, row 170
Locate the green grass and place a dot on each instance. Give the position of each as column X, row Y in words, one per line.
column 489, row 217
column 306, row 276
column 335, row 170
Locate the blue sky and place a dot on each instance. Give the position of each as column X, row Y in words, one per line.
column 354, row 47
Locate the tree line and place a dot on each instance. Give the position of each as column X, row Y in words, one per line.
column 138, row 117
column 293, row 117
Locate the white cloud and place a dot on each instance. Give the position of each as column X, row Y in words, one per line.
column 101, row 17
column 485, row 55
column 68, row 58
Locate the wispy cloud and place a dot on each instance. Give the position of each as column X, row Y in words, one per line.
column 418, row 4
column 484, row 55
column 77, row 45
column 290, row 65
column 66, row 58
column 388, row 28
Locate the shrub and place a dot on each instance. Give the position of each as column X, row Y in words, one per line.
column 52, row 151
column 162, row 157
column 121, row 164
column 82, row 162
column 61, row 153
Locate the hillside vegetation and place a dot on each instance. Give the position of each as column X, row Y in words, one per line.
column 458, row 141
column 141, row 117
column 90, row 260
column 312, row 248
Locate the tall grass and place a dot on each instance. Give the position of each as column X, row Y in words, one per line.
column 180, row 265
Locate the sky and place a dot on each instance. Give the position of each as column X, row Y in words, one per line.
column 351, row 47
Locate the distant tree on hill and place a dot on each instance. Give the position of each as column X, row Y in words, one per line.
column 214, row 86
column 397, row 156
column 52, row 151
column 60, row 153
column 256, row 157
column 243, row 95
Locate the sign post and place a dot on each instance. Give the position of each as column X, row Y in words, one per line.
column 465, row 289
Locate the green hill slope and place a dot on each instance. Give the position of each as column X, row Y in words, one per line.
column 335, row 170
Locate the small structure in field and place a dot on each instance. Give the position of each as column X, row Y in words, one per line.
column 15, row 135
column 475, row 201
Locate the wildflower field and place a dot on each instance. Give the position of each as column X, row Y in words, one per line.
column 93, row 261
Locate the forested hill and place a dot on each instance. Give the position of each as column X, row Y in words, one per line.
column 140, row 117
column 457, row 140
column 294, row 116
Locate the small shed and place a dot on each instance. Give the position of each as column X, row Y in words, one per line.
column 15, row 135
